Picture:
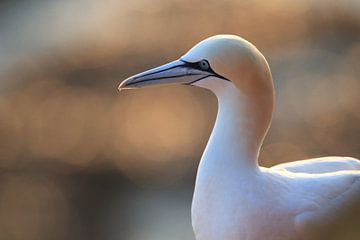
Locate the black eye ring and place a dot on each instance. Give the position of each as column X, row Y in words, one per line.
column 204, row 65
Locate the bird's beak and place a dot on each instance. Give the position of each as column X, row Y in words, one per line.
column 176, row 72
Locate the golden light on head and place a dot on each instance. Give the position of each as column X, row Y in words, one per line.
column 231, row 57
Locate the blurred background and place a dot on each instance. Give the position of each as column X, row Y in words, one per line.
column 78, row 160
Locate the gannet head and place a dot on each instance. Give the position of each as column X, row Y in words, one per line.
column 229, row 66
column 210, row 64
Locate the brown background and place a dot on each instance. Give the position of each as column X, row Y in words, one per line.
column 78, row 160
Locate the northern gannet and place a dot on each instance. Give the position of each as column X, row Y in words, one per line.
column 235, row 198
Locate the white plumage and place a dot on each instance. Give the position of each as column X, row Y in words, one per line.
column 235, row 198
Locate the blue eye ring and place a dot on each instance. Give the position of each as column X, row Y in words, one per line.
column 204, row 65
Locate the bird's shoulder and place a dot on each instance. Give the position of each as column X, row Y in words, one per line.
column 320, row 165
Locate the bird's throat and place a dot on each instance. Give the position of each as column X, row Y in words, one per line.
column 240, row 126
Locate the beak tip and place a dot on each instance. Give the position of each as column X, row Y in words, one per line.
column 121, row 86
column 125, row 84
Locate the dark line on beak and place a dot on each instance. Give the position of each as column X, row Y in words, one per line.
column 159, row 78
column 162, row 70
column 195, row 65
column 212, row 75
column 189, row 83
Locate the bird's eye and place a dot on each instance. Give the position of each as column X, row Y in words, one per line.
column 204, row 65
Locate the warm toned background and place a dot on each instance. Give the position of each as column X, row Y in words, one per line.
column 79, row 161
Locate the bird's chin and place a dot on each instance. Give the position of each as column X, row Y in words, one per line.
column 212, row 83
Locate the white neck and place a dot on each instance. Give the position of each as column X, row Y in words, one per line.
column 229, row 163
column 238, row 132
